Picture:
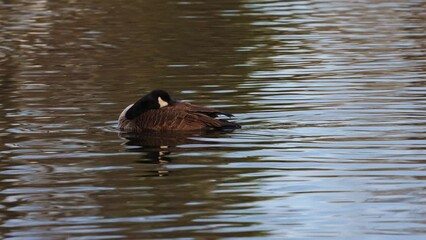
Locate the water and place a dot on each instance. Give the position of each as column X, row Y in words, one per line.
column 331, row 96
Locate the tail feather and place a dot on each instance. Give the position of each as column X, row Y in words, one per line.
column 229, row 125
column 214, row 123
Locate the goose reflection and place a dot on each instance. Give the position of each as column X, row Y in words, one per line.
column 156, row 147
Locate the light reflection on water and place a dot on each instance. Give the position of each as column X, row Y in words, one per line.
column 331, row 96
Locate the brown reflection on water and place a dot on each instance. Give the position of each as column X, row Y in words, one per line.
column 145, row 206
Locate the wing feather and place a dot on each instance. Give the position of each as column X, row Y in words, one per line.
column 188, row 107
column 181, row 116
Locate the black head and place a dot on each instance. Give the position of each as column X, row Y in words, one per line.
column 153, row 100
column 161, row 97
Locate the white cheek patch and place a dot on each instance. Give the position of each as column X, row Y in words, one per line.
column 162, row 102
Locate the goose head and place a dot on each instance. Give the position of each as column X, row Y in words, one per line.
column 154, row 100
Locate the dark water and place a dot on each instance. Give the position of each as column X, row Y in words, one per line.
column 331, row 96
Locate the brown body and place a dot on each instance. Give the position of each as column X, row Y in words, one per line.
column 178, row 116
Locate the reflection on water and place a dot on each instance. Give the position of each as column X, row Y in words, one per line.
column 157, row 146
column 331, row 96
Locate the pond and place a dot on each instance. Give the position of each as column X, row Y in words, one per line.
column 331, row 96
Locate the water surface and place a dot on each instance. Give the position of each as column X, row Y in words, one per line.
column 331, row 96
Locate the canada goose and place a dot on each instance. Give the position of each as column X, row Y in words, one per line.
column 158, row 111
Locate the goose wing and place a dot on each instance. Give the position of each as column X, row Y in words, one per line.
column 188, row 107
column 204, row 116
column 177, row 118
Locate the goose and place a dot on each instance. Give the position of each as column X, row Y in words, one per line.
column 157, row 111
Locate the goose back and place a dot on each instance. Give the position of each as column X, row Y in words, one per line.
column 179, row 116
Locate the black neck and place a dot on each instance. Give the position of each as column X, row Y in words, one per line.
column 142, row 105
